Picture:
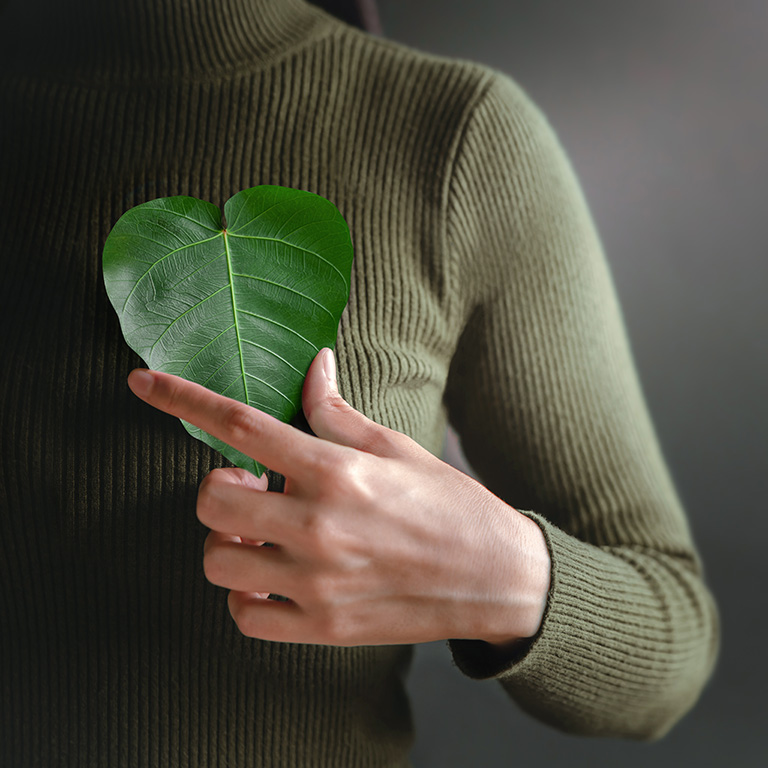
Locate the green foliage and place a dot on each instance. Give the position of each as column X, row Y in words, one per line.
column 242, row 310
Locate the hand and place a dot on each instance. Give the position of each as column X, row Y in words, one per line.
column 375, row 540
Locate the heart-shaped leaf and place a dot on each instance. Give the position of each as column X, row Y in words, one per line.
column 241, row 309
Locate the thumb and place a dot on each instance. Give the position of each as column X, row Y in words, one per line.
column 332, row 418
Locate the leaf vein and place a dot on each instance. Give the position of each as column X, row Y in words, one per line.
column 162, row 258
column 189, row 218
column 280, row 325
column 258, row 215
column 251, row 376
column 298, row 248
column 175, row 285
column 266, row 349
column 218, row 369
column 285, row 287
column 234, row 381
column 202, row 349
column 186, row 312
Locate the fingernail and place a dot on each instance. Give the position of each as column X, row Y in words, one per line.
column 329, row 366
column 140, row 382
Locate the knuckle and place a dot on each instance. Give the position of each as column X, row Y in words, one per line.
column 173, row 397
column 401, row 441
column 373, row 440
column 319, row 535
column 339, row 405
column 242, row 617
column 392, row 443
column 207, row 502
column 240, row 421
column 348, row 463
column 319, row 592
column 333, row 627
column 213, row 566
column 205, row 483
column 204, row 509
column 247, row 623
column 323, row 464
column 384, row 442
column 348, row 480
column 211, row 480
column 354, row 477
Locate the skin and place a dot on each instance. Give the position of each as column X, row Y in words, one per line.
column 376, row 541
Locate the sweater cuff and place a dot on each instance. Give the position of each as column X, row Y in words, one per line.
column 610, row 657
column 601, row 623
column 482, row 661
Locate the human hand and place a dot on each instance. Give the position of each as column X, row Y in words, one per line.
column 375, row 540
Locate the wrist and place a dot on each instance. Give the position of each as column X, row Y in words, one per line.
column 525, row 581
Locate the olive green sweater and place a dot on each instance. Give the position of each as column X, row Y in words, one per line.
column 480, row 296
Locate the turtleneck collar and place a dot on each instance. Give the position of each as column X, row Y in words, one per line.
column 105, row 39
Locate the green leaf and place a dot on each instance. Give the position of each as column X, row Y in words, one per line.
column 241, row 309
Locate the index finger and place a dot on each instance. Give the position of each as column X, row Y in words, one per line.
column 278, row 446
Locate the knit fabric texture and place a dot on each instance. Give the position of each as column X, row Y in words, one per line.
column 480, row 295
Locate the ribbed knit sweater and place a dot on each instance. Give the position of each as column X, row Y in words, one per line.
column 480, row 295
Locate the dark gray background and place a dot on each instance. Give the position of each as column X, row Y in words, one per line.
column 662, row 107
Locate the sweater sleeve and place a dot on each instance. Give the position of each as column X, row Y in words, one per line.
column 545, row 397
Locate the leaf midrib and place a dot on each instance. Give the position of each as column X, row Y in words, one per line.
column 234, row 312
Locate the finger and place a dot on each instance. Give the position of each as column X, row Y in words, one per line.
column 333, row 419
column 256, row 515
column 233, row 565
column 264, row 438
column 237, row 476
column 274, row 620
